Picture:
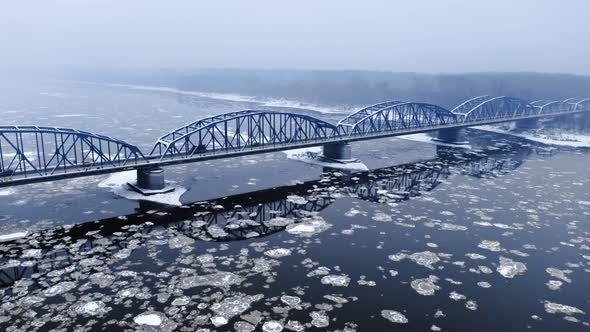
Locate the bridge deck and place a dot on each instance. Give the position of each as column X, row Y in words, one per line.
column 67, row 169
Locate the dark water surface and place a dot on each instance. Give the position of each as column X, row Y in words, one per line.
column 485, row 239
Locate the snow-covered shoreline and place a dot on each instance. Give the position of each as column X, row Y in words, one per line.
column 269, row 102
column 572, row 140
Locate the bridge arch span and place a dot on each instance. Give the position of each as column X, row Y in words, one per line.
column 400, row 116
column 236, row 132
column 178, row 132
column 42, row 151
column 469, row 104
column 577, row 104
column 497, row 108
column 353, row 118
column 554, row 106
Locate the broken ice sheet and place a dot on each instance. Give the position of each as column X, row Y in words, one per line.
column 290, row 300
column 272, row 326
column 278, row 253
column 554, row 308
column 456, row 296
column 180, row 241
column 425, row 286
column 559, row 274
column 554, row 284
column 394, row 316
column 59, row 288
column 232, row 306
column 319, row 319
column 309, row 227
column 490, row 245
column 219, row 279
column 424, row 258
column 91, row 308
column 509, row 268
column 336, row 280
column 149, row 318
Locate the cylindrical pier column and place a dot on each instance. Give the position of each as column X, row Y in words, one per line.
column 151, row 178
column 150, row 181
column 526, row 123
column 338, row 151
column 450, row 135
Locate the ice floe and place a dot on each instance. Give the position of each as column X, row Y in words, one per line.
column 424, row 258
column 490, row 245
column 394, row 316
column 149, row 318
column 509, row 268
column 218, row 279
column 309, row 227
column 91, row 308
column 559, row 274
column 554, row 308
column 319, row 319
column 272, row 326
column 278, row 253
column 313, row 156
column 290, row 300
column 554, row 284
column 232, row 306
column 425, row 286
column 336, row 280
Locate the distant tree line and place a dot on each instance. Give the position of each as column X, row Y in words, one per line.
column 358, row 87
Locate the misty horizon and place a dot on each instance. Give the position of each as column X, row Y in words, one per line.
column 385, row 36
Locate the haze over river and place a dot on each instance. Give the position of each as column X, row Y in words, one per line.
column 489, row 235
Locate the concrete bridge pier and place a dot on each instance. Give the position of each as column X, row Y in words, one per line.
column 341, row 152
column 150, row 181
column 527, row 124
column 450, row 135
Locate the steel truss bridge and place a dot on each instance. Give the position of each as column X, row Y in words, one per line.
column 30, row 154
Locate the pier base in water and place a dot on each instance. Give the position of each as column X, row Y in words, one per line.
column 339, row 152
column 150, row 181
column 451, row 135
column 527, row 124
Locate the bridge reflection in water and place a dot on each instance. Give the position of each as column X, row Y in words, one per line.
column 243, row 216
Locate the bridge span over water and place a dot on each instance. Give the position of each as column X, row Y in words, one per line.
column 31, row 154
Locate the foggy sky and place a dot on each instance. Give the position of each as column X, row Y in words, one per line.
column 420, row 36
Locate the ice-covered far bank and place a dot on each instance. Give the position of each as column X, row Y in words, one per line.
column 117, row 183
column 313, row 156
column 269, row 102
column 572, row 140
column 54, row 94
column 72, row 115
column 425, row 138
